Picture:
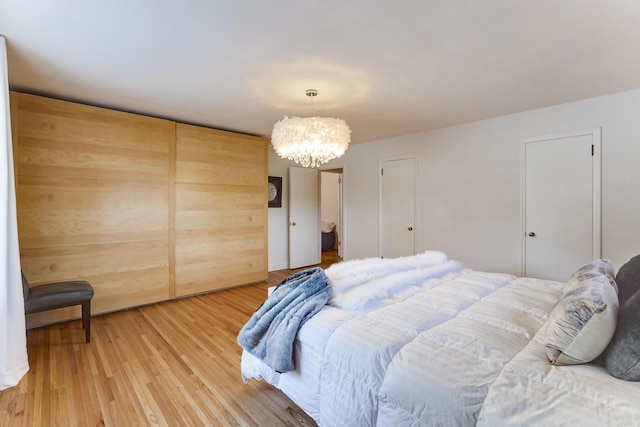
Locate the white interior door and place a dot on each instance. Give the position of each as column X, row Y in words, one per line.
column 304, row 217
column 397, row 208
column 561, row 183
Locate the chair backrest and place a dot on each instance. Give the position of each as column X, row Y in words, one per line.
column 25, row 286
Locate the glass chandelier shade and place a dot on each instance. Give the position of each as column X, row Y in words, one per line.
column 310, row 141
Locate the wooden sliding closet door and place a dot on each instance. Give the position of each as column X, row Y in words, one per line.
column 221, row 209
column 93, row 200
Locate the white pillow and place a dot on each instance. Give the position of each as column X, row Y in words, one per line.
column 596, row 268
column 582, row 322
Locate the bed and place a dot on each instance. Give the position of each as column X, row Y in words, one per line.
column 424, row 341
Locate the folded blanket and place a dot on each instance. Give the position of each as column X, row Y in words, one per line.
column 271, row 330
column 348, row 274
column 363, row 285
column 384, row 290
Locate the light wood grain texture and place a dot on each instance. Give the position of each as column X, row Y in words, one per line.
column 174, row 363
column 221, row 209
column 13, row 108
column 93, row 201
column 143, row 208
column 172, row 214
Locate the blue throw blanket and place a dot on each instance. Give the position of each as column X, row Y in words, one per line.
column 270, row 332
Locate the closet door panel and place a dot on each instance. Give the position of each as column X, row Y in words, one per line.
column 143, row 208
column 93, row 200
column 221, row 209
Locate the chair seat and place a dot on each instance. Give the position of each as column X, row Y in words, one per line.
column 58, row 295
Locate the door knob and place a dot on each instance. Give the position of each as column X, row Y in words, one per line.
column 293, row 224
column 410, row 228
column 532, row 234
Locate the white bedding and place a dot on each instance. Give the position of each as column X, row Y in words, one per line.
column 578, row 395
column 454, row 348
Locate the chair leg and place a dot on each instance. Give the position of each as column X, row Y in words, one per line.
column 86, row 319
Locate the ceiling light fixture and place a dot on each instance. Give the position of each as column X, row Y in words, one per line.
column 310, row 141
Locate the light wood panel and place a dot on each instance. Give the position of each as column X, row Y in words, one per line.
column 93, row 200
column 221, row 209
column 143, row 208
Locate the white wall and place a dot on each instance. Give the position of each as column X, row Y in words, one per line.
column 469, row 183
column 279, row 217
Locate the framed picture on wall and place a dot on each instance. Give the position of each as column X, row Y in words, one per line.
column 275, row 192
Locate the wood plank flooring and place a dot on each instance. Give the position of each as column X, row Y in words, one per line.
column 175, row 363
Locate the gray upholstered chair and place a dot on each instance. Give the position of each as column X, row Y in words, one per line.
column 57, row 295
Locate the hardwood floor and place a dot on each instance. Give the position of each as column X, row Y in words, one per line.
column 328, row 258
column 175, row 363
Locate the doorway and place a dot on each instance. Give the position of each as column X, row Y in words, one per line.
column 560, row 184
column 331, row 212
column 309, row 197
column 304, row 217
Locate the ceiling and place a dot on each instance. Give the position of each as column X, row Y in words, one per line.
column 387, row 68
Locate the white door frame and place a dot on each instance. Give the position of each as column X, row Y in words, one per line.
column 416, row 174
column 596, row 186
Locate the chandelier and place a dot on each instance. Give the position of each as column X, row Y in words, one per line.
column 310, row 141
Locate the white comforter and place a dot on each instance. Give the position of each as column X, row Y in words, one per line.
column 451, row 348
